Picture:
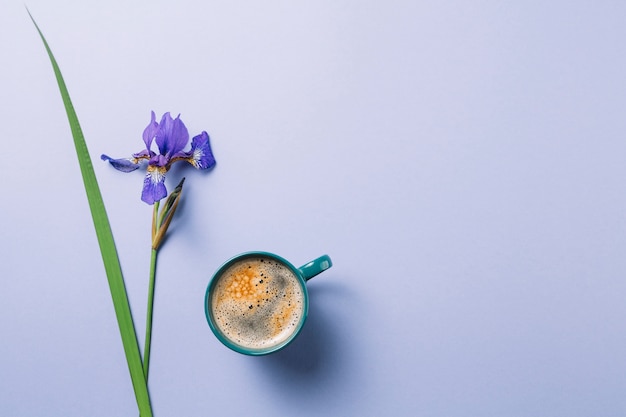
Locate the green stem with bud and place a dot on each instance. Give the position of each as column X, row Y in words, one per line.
column 160, row 222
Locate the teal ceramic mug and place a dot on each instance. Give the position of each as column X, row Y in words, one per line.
column 257, row 302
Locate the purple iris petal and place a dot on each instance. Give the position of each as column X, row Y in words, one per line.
column 150, row 131
column 154, row 185
column 201, row 154
column 144, row 154
column 158, row 161
column 123, row 164
column 172, row 135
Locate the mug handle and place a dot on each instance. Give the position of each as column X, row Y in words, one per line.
column 315, row 267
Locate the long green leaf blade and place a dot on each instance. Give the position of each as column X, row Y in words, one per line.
column 107, row 246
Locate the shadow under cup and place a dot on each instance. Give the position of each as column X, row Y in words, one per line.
column 257, row 302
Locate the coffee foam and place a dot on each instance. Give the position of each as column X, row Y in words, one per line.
column 257, row 303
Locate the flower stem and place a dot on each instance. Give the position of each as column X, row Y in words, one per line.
column 148, row 339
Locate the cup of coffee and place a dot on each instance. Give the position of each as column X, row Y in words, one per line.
column 257, row 302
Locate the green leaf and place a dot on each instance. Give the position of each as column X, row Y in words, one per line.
column 107, row 247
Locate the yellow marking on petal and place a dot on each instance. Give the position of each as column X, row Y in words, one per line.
column 197, row 155
column 157, row 174
column 136, row 160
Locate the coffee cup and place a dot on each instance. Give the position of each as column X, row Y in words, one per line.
column 257, row 302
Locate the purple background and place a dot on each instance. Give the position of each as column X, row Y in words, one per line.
column 463, row 163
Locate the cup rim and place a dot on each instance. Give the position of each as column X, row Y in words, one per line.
column 225, row 340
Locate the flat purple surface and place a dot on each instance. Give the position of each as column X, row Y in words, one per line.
column 463, row 164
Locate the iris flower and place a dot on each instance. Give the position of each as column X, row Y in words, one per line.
column 171, row 137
